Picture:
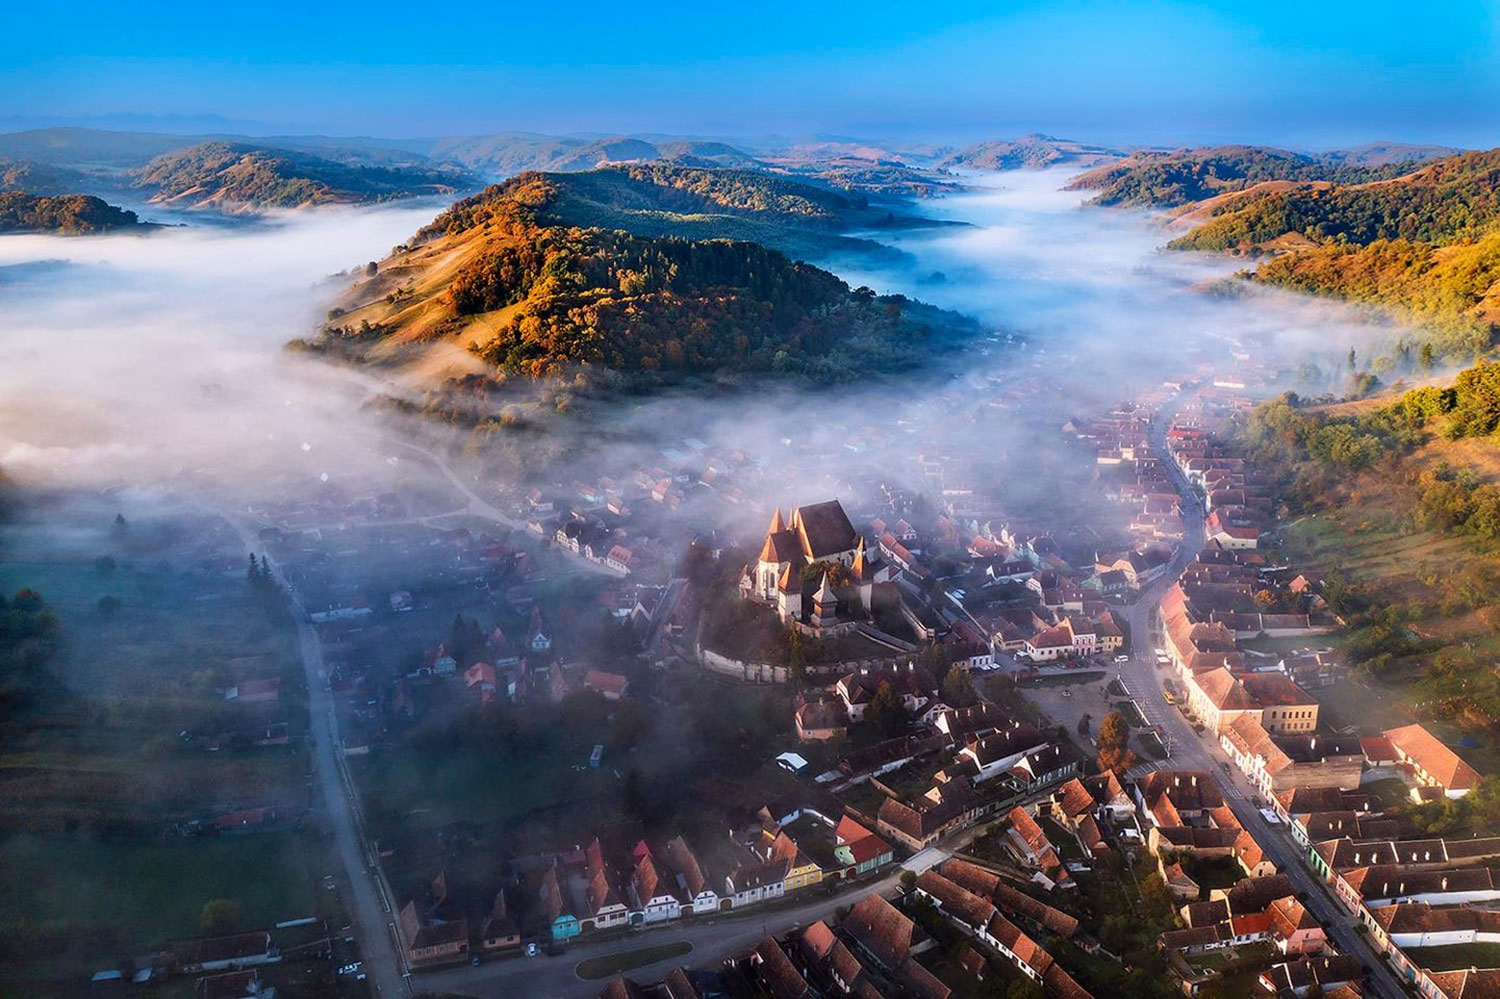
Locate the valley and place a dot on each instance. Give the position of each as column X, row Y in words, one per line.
column 448, row 650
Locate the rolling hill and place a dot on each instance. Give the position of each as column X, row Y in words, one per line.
column 657, row 199
column 64, row 215
column 1030, row 152
column 1400, row 504
column 1158, row 179
column 41, row 178
column 237, row 177
column 1425, row 243
column 1448, row 200
column 518, row 282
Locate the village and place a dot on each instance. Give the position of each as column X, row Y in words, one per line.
column 1073, row 750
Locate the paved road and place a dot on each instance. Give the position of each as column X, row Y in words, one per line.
column 363, row 891
column 1190, row 751
column 713, row 941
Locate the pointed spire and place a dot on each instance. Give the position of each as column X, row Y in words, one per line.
column 825, row 592
column 858, row 568
column 768, row 550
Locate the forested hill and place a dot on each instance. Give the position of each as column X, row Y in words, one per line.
column 239, row 177
column 1426, row 244
column 528, row 292
column 1154, row 179
column 65, row 215
column 1451, row 200
column 1402, row 508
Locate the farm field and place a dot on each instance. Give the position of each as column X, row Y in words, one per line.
column 113, row 778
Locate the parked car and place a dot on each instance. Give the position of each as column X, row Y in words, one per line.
column 532, row 950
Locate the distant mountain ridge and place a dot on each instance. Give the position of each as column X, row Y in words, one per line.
column 236, row 177
column 512, row 153
column 1030, row 152
column 109, row 163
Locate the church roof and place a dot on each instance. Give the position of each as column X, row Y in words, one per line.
column 781, row 547
column 777, row 524
column 824, row 528
column 789, row 581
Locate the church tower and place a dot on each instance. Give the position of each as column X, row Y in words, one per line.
column 825, row 605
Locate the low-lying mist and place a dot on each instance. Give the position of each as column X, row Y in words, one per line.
column 158, row 361
column 151, row 360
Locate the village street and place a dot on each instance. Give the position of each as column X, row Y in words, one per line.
column 713, row 938
column 1190, row 751
column 362, row 887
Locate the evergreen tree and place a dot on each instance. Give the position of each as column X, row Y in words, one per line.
column 886, row 714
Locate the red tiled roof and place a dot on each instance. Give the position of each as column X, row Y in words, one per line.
column 956, row 901
column 778, row 973
column 1441, row 763
column 881, row 929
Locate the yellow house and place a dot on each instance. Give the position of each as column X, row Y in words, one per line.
column 802, row 870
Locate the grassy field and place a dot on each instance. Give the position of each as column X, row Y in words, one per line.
column 1361, row 701
column 1371, row 540
column 87, row 904
column 473, row 787
column 1473, row 955
column 94, row 781
column 1372, row 543
column 603, row 967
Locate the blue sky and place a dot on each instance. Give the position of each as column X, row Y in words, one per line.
column 1312, row 72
